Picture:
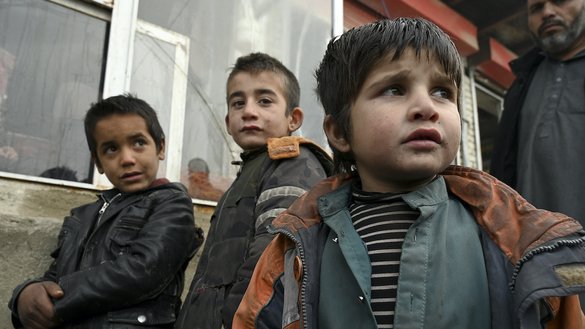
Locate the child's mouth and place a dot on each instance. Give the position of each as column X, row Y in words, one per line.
column 424, row 135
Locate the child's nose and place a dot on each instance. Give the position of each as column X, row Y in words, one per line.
column 127, row 156
column 250, row 109
column 423, row 108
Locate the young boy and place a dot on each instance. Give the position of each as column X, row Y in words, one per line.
column 403, row 240
column 263, row 110
column 120, row 261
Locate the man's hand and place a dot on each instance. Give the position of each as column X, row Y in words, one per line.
column 35, row 307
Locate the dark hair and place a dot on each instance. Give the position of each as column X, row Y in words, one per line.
column 198, row 165
column 256, row 63
column 60, row 172
column 350, row 58
column 121, row 104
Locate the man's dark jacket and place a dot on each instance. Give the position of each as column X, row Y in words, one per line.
column 128, row 269
column 504, row 159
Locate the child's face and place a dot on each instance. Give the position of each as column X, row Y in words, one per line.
column 405, row 126
column 127, row 152
column 257, row 109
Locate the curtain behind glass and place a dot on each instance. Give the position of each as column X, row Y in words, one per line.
column 294, row 31
column 51, row 61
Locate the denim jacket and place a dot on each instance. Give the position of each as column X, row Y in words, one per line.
column 515, row 262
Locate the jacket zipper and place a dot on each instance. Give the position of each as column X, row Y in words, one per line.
column 539, row 250
column 105, row 206
column 304, row 283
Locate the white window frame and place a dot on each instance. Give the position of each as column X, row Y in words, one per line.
column 124, row 26
column 174, row 144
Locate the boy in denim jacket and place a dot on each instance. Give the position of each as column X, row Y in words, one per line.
column 400, row 238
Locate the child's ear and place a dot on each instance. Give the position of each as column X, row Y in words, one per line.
column 295, row 119
column 227, row 124
column 161, row 150
column 98, row 165
column 334, row 135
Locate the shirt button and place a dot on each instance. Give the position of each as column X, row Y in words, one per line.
column 559, row 79
column 141, row 318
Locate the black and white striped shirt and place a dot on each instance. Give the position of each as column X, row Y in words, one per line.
column 382, row 220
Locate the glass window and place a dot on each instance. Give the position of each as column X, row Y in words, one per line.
column 294, row 31
column 159, row 77
column 489, row 107
column 51, row 64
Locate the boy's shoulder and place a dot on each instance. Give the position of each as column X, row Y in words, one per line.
column 289, row 147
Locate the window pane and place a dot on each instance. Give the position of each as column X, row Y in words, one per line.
column 51, row 61
column 294, row 31
column 489, row 106
column 152, row 79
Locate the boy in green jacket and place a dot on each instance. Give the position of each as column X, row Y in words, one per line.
column 401, row 239
column 263, row 112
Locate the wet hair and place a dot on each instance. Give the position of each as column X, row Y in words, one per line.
column 121, row 104
column 256, row 63
column 350, row 58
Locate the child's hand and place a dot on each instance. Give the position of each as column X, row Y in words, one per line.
column 35, row 307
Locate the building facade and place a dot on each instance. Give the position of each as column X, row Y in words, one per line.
column 59, row 56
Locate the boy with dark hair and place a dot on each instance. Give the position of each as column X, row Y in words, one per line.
column 401, row 239
column 263, row 111
column 120, row 261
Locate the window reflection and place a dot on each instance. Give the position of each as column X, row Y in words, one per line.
column 51, row 63
column 294, row 31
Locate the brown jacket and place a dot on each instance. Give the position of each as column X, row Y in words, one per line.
column 515, row 226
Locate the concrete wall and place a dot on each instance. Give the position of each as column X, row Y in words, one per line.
column 30, row 218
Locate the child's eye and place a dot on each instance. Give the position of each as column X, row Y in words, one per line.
column 445, row 93
column 238, row 104
column 110, row 149
column 392, row 91
column 265, row 101
column 139, row 143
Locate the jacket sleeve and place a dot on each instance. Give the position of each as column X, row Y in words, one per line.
column 567, row 313
column 50, row 275
column 289, row 179
column 151, row 261
column 263, row 303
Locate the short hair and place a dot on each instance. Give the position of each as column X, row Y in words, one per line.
column 60, row 172
column 350, row 58
column 121, row 104
column 255, row 63
column 198, row 165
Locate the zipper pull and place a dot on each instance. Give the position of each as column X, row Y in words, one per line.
column 103, row 208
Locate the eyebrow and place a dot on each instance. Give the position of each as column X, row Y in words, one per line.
column 390, row 78
column 262, row 91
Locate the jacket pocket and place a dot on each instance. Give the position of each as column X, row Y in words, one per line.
column 67, row 244
column 160, row 311
column 226, row 257
column 125, row 231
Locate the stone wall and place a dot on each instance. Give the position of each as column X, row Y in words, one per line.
column 30, row 218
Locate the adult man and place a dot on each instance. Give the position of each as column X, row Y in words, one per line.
column 541, row 133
